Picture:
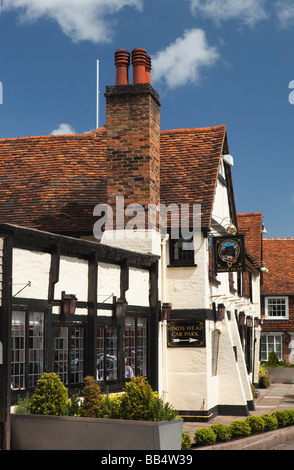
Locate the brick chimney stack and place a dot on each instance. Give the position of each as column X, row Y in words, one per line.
column 133, row 132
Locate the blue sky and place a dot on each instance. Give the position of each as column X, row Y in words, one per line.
column 214, row 62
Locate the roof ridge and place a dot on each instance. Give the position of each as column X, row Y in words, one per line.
column 55, row 136
column 278, row 238
column 250, row 213
column 199, row 129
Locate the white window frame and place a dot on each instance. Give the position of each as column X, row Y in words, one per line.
column 277, row 317
column 274, row 336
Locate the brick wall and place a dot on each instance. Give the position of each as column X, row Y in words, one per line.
column 279, row 325
column 133, row 144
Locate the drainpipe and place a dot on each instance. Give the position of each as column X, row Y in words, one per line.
column 164, row 322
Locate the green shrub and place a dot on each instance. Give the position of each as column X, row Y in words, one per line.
column 222, row 432
column 282, row 417
column 186, row 441
column 50, row 396
column 91, row 404
column 159, row 411
column 23, row 405
column 256, row 423
column 205, row 437
column 239, row 428
column 137, row 399
column 264, row 379
column 270, row 422
column 110, row 406
column 74, row 406
column 273, row 360
column 290, row 414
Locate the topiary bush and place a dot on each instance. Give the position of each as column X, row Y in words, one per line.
column 135, row 402
column 256, row 423
column 290, row 414
column 222, row 432
column 273, row 360
column 50, row 396
column 282, row 417
column 270, row 422
column 205, row 437
column 239, row 428
column 186, row 441
column 91, row 404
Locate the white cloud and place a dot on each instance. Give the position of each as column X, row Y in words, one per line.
column 248, row 11
column 285, row 13
column 79, row 19
column 181, row 62
column 63, row 129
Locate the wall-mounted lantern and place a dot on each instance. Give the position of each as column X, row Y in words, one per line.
column 256, row 322
column 249, row 322
column 68, row 303
column 165, row 311
column 121, row 308
column 221, row 310
column 241, row 319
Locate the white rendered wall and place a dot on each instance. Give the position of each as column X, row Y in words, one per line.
column 30, row 266
column 138, row 292
column 108, row 282
column 188, row 287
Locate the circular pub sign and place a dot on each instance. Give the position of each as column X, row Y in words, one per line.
column 229, row 251
column 229, row 254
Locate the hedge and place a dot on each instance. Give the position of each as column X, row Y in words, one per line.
column 243, row 428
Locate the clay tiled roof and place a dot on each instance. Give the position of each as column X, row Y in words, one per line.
column 189, row 160
column 278, row 255
column 52, row 183
column 250, row 225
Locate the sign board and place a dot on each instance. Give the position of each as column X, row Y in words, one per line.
column 229, row 254
column 186, row 334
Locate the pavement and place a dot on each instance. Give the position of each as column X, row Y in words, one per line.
column 276, row 397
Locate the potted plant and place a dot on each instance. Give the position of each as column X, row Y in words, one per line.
column 136, row 419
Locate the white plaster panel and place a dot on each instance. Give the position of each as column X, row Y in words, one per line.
column 34, row 267
column 188, row 287
column 138, row 292
column 108, row 282
column 73, row 278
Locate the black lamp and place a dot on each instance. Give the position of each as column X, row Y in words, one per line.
column 68, row 303
column 241, row 318
column 249, row 322
column 165, row 311
column 121, row 308
column 221, row 310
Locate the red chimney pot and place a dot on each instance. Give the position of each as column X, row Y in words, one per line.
column 139, row 60
column 122, row 62
column 148, row 68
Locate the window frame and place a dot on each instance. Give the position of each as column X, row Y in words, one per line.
column 267, row 351
column 69, row 325
column 174, row 261
column 276, row 317
column 26, row 351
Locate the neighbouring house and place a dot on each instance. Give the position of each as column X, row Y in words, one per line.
column 194, row 334
column 277, row 299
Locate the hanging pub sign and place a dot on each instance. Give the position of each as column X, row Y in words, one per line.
column 185, row 334
column 229, row 254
